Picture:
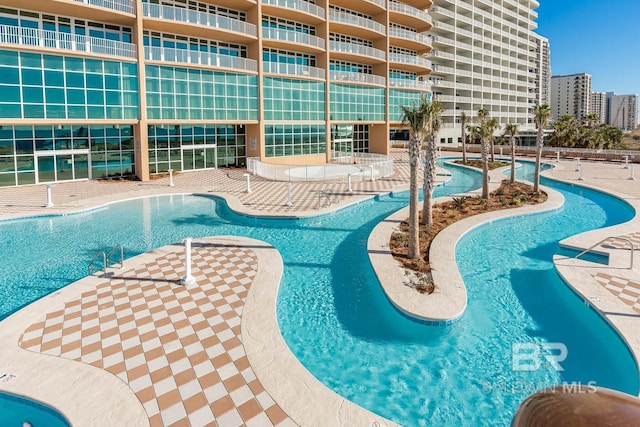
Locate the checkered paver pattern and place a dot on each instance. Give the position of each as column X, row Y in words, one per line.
column 178, row 348
column 627, row 290
column 619, row 244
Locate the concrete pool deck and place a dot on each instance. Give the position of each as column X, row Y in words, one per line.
column 261, row 376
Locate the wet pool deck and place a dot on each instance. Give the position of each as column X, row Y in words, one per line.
column 154, row 352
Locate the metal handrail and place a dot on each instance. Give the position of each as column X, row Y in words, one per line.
column 91, row 269
column 624, row 239
column 112, row 252
column 329, row 195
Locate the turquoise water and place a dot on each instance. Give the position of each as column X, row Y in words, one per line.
column 338, row 322
column 15, row 410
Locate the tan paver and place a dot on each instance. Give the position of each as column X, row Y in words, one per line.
column 628, row 291
column 179, row 348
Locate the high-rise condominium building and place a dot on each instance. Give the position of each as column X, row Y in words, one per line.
column 543, row 71
column 97, row 88
column 570, row 95
column 598, row 105
column 485, row 54
column 623, row 111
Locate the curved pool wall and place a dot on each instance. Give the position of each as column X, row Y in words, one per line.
column 15, row 410
column 335, row 317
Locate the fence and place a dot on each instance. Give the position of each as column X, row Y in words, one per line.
column 360, row 166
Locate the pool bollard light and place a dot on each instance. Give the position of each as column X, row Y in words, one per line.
column 188, row 279
column 500, row 151
column 557, row 157
column 626, row 162
column 349, row 183
column 248, row 176
column 171, row 184
column 581, row 176
column 632, row 177
column 289, row 202
column 49, row 200
column 372, row 169
column 578, row 164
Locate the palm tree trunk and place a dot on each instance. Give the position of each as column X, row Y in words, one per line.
column 536, row 179
column 429, row 181
column 464, row 145
column 513, row 161
column 485, row 169
column 493, row 152
column 414, row 157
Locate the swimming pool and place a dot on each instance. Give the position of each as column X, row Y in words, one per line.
column 335, row 317
column 15, row 410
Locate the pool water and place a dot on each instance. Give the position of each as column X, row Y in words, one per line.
column 15, row 410
column 338, row 322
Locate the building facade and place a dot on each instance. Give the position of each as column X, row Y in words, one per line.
column 598, row 106
column 102, row 88
column 485, row 54
column 570, row 95
column 543, row 70
column 622, row 111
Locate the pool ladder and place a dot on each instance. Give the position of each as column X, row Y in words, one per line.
column 329, row 195
column 106, row 259
column 623, row 239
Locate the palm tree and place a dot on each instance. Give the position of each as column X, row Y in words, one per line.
column 463, row 122
column 510, row 131
column 541, row 115
column 415, row 118
column 482, row 132
column 493, row 125
column 434, row 113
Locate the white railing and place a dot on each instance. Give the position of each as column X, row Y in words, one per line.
column 293, row 69
column 360, row 166
column 410, row 10
column 413, row 84
column 410, row 35
column 292, row 36
column 127, row 6
column 357, row 49
column 381, row 3
column 409, row 59
column 351, row 76
column 348, row 18
column 301, row 5
column 199, row 18
column 166, row 54
column 64, row 41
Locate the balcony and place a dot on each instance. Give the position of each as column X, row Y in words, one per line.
column 126, row 6
column 164, row 54
column 367, row 55
column 353, row 25
column 410, row 62
column 296, row 10
column 369, row 7
column 36, row 38
column 280, row 37
column 201, row 23
column 349, row 76
column 409, row 84
column 293, row 70
column 409, row 16
column 410, row 40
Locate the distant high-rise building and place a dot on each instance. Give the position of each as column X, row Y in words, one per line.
column 570, row 95
column 598, row 105
column 485, row 54
column 623, row 111
column 543, row 70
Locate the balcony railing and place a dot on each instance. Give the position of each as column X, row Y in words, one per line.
column 410, row 10
column 292, row 36
column 292, row 69
column 381, row 3
column 409, row 35
column 210, row 20
column 359, row 21
column 357, row 49
column 127, row 6
column 412, row 84
column 165, row 54
column 350, row 76
column 409, row 59
column 64, row 41
column 301, row 5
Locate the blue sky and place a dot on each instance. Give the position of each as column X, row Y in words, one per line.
column 598, row 37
